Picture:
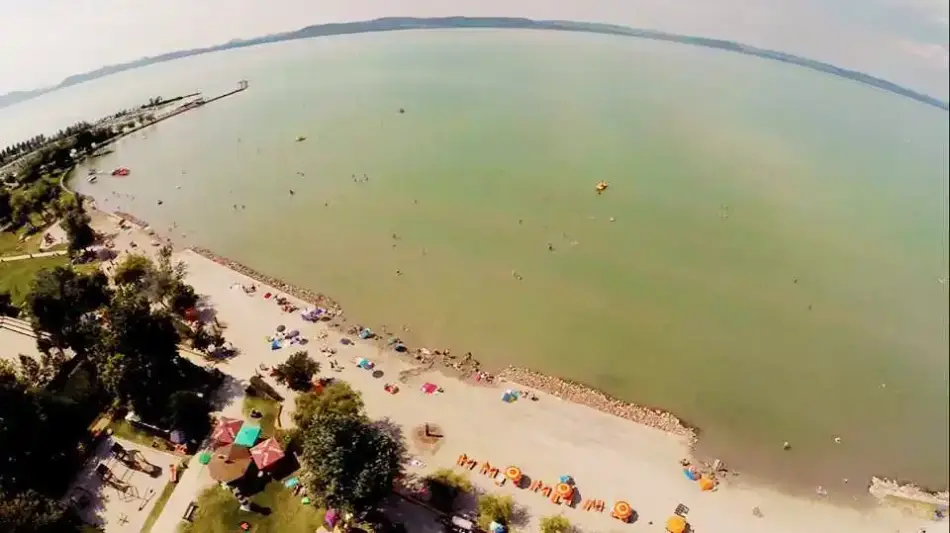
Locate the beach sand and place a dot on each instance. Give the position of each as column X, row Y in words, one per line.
column 610, row 458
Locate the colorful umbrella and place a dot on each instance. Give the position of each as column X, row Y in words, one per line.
column 267, row 453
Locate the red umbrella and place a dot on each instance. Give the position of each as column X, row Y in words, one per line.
column 267, row 453
column 226, row 430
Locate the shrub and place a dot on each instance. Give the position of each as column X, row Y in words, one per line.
column 556, row 524
column 494, row 508
column 445, row 485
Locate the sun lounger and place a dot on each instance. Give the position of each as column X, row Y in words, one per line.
column 499, row 480
column 462, row 460
column 546, row 491
column 555, row 499
column 485, row 468
column 471, row 464
column 492, row 472
column 535, row 485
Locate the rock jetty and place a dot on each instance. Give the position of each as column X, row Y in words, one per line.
column 584, row 395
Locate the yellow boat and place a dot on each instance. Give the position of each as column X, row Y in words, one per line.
column 601, row 187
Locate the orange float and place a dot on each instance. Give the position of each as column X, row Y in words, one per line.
column 564, row 491
column 513, row 473
column 622, row 511
column 706, row 483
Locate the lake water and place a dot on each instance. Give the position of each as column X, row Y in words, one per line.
column 765, row 263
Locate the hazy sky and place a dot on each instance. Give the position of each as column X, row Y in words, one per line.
column 43, row 41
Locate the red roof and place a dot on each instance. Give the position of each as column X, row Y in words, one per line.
column 226, row 430
column 267, row 453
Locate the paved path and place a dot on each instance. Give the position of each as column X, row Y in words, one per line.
column 190, row 484
column 37, row 255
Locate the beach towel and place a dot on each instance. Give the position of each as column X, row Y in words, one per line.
column 429, row 388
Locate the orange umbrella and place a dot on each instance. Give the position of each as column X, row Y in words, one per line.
column 676, row 524
column 513, row 473
column 564, row 490
column 623, row 511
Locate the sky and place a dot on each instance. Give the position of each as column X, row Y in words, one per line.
column 905, row 41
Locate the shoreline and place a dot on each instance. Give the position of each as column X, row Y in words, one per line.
column 466, row 368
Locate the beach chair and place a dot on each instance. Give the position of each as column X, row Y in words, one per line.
column 555, row 499
column 535, row 485
column 462, row 460
column 546, row 491
column 493, row 472
column 486, row 467
column 499, row 480
column 599, row 506
column 587, row 505
column 471, row 464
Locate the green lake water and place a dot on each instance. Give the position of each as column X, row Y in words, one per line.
column 765, row 263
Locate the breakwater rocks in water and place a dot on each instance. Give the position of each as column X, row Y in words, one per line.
column 584, row 395
column 316, row 299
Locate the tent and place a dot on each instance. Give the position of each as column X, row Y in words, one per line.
column 248, row 435
column 226, row 430
column 267, row 453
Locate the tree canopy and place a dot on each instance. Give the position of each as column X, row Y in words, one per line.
column 76, row 225
column 60, row 303
column 336, row 398
column 297, row 371
column 31, row 512
column 352, row 462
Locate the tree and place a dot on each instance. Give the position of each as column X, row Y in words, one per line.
column 297, row 371
column 352, row 462
column 189, row 413
column 556, row 524
column 181, row 298
column 337, row 398
column 139, row 362
column 31, row 512
column 40, row 433
column 445, row 485
column 6, row 305
column 60, row 303
column 5, row 209
column 134, row 270
column 494, row 508
column 76, row 225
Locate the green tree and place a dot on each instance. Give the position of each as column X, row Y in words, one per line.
column 189, row 413
column 181, row 298
column 352, row 462
column 139, row 362
column 336, row 398
column 297, row 371
column 6, row 305
column 5, row 209
column 134, row 269
column 445, row 485
column 75, row 223
column 62, row 302
column 556, row 524
column 31, row 512
column 494, row 508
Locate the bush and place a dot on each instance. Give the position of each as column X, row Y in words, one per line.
column 556, row 524
column 445, row 485
column 297, row 371
column 338, row 397
column 494, row 508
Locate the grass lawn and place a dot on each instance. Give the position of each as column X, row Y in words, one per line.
column 269, row 408
column 16, row 276
column 159, row 505
column 219, row 512
column 10, row 243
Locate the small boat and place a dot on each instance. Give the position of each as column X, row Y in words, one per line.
column 93, row 171
column 301, row 139
column 92, row 178
column 121, row 171
column 601, row 187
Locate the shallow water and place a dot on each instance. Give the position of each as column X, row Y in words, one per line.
column 764, row 263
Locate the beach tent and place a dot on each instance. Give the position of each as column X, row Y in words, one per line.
column 248, row 435
column 226, row 430
column 429, row 388
column 267, row 453
column 275, row 345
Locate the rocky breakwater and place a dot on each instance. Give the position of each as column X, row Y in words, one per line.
column 316, row 299
column 584, row 395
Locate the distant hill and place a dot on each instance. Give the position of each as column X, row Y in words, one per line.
column 408, row 23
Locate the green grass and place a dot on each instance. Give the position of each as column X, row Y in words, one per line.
column 218, row 512
column 124, row 430
column 159, row 505
column 270, row 410
column 10, row 243
column 16, row 276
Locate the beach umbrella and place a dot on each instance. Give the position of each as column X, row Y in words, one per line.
column 204, row 458
column 676, row 524
column 513, row 473
column 226, row 430
column 622, row 511
column 267, row 453
column 564, row 491
column 566, row 479
column 177, row 437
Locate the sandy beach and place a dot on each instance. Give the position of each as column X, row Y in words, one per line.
column 610, row 457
